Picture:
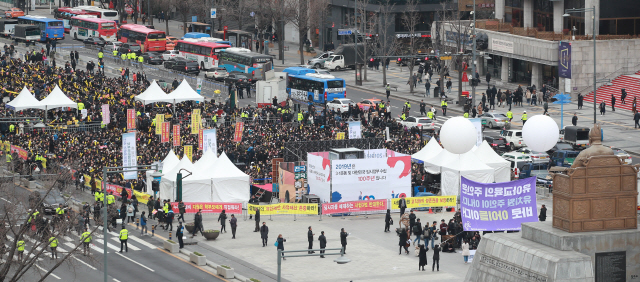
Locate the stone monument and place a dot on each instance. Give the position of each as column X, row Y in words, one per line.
column 594, row 235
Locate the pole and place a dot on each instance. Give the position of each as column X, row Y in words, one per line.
column 105, row 210
column 473, row 63
column 593, row 16
column 355, row 38
column 279, row 263
column 149, row 16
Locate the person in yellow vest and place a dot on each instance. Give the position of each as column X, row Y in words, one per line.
column 124, row 235
column 524, row 117
column 510, row 115
column 34, row 216
column 12, row 128
column 407, row 105
column 102, row 125
column 133, row 56
column 60, row 213
column 80, row 106
column 215, row 119
column 403, row 116
column 115, row 53
column 430, row 114
column 466, row 115
column 111, row 199
column 9, row 157
column 443, row 105
column 86, row 240
column 123, row 57
column 300, row 117
column 53, row 243
column 165, row 208
column 140, row 59
column 98, row 196
column 20, row 246
column 100, row 55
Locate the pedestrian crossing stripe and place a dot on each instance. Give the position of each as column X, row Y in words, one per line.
column 128, row 245
column 143, row 242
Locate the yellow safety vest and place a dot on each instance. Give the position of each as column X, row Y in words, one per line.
column 60, row 211
column 123, row 56
column 141, row 59
column 215, row 118
column 12, row 128
column 443, row 103
column 53, row 242
column 430, row 114
column 100, row 55
column 115, row 53
column 9, row 157
column 33, row 216
column 124, row 234
column 408, row 105
column 403, row 117
column 165, row 208
column 300, row 116
column 86, row 236
column 509, row 114
column 20, row 246
column 381, row 105
column 111, row 199
column 97, row 196
column 80, row 106
column 466, row 115
column 524, row 116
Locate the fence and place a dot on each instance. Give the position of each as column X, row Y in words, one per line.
column 297, row 151
column 65, row 128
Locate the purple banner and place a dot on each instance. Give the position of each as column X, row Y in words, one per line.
column 564, row 60
column 497, row 206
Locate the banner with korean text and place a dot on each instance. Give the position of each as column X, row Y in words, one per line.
column 368, row 179
column 116, row 190
column 106, row 118
column 176, row 135
column 284, row 209
column 195, row 121
column 166, row 131
column 22, row 153
column 129, row 154
column 237, row 136
column 355, row 130
column 200, row 139
column 193, row 207
column 159, row 122
column 356, row 206
column 188, row 152
column 426, row 202
column 209, row 140
column 131, row 119
column 497, row 206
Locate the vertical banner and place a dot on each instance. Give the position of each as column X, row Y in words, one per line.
column 237, row 137
column 209, row 140
column 564, row 60
column 129, row 154
column 355, row 130
column 166, row 130
column 199, row 85
column 176, row 135
column 131, row 119
column 497, row 206
column 201, row 139
column 106, row 115
column 340, row 136
column 159, row 122
column 188, row 151
column 477, row 123
column 195, row 121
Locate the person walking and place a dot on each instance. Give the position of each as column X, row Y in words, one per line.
column 524, row 118
column 180, row 234
column 404, row 237
column 53, row 243
column 169, row 220
column 634, row 106
column 580, row 101
column 198, row 223
column 545, row 106
column 603, row 108
column 465, row 251
column 387, row 89
column 20, row 247
column 222, row 218
column 488, row 77
column 143, row 224
column 343, row 240
column 412, row 220
column 182, row 210
column 422, row 257
column 417, row 230
column 402, row 204
column 310, row 235
column 85, row 238
column 636, row 118
column 150, row 204
column 623, row 95
column 574, row 119
column 264, row 233
column 124, row 235
column 427, row 87
column 436, row 257
column 323, row 243
column 613, row 103
column 387, row 221
column 280, row 244
column 443, row 105
column 130, row 210
column 543, row 213
column 234, row 223
column 449, row 84
column 257, row 220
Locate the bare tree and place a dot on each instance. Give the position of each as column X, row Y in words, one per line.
column 384, row 44
column 304, row 15
column 410, row 20
column 183, row 7
column 278, row 14
column 237, row 10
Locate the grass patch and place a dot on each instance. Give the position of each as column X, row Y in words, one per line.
column 170, row 241
column 198, row 254
column 254, row 280
column 224, row 266
column 211, row 231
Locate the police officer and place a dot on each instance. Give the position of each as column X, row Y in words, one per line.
column 300, row 117
column 53, row 243
column 466, row 115
column 524, row 117
column 510, row 115
column 60, row 212
column 115, row 53
column 100, row 56
column 140, row 60
column 86, row 240
column 443, row 105
column 110, row 198
column 20, row 246
column 123, row 57
column 403, row 116
column 124, row 235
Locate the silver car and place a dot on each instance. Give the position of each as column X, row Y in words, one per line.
column 318, row 61
column 493, row 119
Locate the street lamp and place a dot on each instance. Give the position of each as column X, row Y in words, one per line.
column 340, row 260
column 473, row 63
column 593, row 17
column 118, row 169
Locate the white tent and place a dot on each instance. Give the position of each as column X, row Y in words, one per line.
column 25, row 100
column 184, row 92
column 168, row 182
column 228, row 183
column 197, row 187
column 467, row 165
column 433, row 165
column 153, row 94
column 502, row 167
column 57, row 99
column 170, row 161
column 428, row 151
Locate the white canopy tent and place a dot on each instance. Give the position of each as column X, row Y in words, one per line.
column 228, row 183
column 153, row 94
column 467, row 165
column 197, row 187
column 169, row 162
column 428, row 151
column 502, row 167
column 184, row 92
column 433, row 164
column 25, row 100
column 57, row 99
column 167, row 184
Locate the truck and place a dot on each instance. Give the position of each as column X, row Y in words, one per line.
column 7, row 26
column 27, row 33
column 345, row 57
column 275, row 85
column 577, row 136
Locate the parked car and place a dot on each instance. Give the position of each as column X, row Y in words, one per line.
column 560, row 146
column 187, row 67
column 530, row 169
column 493, row 119
column 563, row 158
column 514, row 138
column 171, row 42
column 624, row 156
column 130, row 47
column 497, row 143
column 152, row 58
column 367, row 103
column 50, row 202
column 341, row 104
column 112, row 46
column 216, row 73
column 13, row 13
column 318, row 61
column 517, row 164
column 237, row 78
column 168, row 64
column 536, row 157
column 424, row 123
column 94, row 41
column 170, row 54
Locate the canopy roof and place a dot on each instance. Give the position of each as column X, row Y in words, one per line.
column 57, row 99
column 183, row 93
column 153, row 94
column 433, row 165
column 502, row 167
column 428, row 151
column 170, row 161
column 25, row 100
column 467, row 165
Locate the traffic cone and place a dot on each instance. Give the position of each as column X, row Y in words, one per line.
column 453, row 209
column 430, row 211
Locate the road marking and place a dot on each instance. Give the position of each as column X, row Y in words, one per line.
column 198, row 267
column 110, row 246
column 116, row 280
column 143, row 242
column 5, row 200
column 45, row 271
column 67, row 238
column 130, row 247
column 136, row 262
column 88, row 265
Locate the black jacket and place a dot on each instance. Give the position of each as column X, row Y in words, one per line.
column 281, row 243
column 543, row 214
column 403, row 238
column 436, row 252
column 412, row 218
column 387, row 218
column 417, row 229
column 310, row 236
column 222, row 217
column 264, row 232
column 403, row 202
column 323, row 241
column 257, row 216
column 343, row 238
column 198, row 219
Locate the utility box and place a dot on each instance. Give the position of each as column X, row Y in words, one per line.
column 274, row 85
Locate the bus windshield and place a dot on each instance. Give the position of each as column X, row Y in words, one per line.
column 108, row 26
column 156, row 36
column 55, row 23
column 334, row 84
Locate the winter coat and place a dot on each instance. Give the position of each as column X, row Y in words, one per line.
column 403, row 238
column 281, row 243
column 423, row 255
column 323, row 241
column 343, row 238
column 436, row 252
column 465, row 249
column 264, row 232
column 130, row 208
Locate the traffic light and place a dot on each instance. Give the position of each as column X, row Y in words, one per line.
column 155, row 185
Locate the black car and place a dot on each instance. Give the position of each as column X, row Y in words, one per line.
column 50, row 203
column 152, row 58
column 187, row 67
column 560, row 146
column 168, row 64
column 125, row 48
column 238, row 79
column 95, row 41
column 497, row 143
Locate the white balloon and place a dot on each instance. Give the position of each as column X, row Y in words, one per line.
column 458, row 135
column 540, row 133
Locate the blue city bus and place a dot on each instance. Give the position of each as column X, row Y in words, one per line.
column 50, row 28
column 315, row 87
column 245, row 61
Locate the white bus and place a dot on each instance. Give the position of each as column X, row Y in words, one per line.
column 111, row 15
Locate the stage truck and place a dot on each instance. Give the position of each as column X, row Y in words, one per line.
column 274, row 85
